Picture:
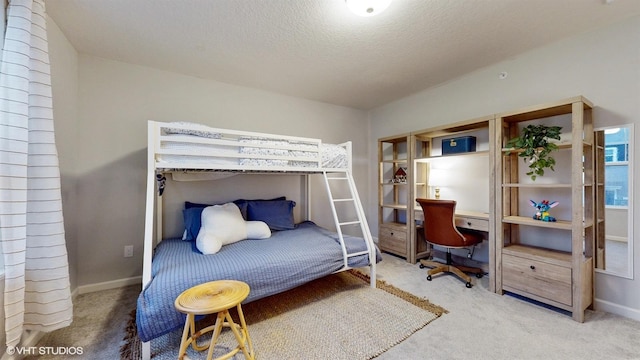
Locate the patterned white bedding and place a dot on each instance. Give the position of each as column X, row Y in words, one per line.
column 190, row 143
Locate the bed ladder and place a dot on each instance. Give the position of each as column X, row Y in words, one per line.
column 361, row 219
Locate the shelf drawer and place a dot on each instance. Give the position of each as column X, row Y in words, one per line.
column 549, row 281
column 393, row 238
column 472, row 223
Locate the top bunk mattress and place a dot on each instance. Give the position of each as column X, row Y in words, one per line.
column 179, row 145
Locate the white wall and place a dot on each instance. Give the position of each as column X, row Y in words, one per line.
column 602, row 65
column 116, row 100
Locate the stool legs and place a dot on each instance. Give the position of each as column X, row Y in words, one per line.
column 190, row 336
column 245, row 330
column 240, row 331
column 217, row 329
column 184, row 343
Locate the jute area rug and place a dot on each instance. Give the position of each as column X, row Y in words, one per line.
column 336, row 317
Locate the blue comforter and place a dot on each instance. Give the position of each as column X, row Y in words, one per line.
column 288, row 259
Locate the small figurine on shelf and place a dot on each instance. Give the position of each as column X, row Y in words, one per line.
column 543, row 210
column 400, row 176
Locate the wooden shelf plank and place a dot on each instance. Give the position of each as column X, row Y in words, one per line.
column 561, row 107
column 471, row 153
column 394, row 161
column 533, row 186
column 522, row 220
column 561, row 146
column 394, row 206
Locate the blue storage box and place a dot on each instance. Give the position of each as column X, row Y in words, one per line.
column 458, row 145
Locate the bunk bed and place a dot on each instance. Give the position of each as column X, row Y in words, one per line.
column 291, row 256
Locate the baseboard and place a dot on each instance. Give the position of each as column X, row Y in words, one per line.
column 84, row 289
column 606, row 306
column 75, row 293
column 31, row 338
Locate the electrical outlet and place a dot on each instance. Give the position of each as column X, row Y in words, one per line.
column 128, row 251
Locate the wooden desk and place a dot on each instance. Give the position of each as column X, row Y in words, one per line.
column 472, row 220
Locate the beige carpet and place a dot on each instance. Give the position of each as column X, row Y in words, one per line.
column 336, row 317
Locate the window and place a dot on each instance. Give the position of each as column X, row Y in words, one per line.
column 616, row 157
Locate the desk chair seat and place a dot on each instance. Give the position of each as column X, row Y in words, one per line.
column 440, row 229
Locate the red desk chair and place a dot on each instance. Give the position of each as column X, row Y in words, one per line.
column 440, row 229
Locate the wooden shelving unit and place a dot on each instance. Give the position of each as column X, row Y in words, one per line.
column 394, row 153
column 551, row 262
column 428, row 157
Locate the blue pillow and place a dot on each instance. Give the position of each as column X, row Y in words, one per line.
column 242, row 204
column 189, row 205
column 278, row 214
column 192, row 215
column 192, row 222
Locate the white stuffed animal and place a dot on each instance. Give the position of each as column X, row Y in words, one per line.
column 223, row 224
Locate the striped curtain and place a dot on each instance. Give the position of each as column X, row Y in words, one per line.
column 37, row 291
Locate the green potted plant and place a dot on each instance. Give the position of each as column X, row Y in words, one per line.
column 534, row 146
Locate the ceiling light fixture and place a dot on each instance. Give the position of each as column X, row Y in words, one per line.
column 367, row 7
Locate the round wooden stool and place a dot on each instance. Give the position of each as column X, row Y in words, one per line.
column 209, row 298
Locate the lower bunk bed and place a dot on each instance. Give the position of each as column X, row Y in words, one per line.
column 287, row 259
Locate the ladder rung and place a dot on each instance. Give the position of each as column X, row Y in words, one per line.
column 336, row 178
column 349, row 223
column 358, row 253
column 338, row 200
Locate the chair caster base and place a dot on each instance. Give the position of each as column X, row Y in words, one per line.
column 428, row 277
column 479, row 276
column 468, row 285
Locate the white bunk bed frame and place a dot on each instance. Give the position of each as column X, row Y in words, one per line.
column 163, row 160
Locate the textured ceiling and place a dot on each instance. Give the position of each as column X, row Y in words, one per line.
column 317, row 49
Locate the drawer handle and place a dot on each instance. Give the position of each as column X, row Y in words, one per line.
column 468, row 223
column 532, row 267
